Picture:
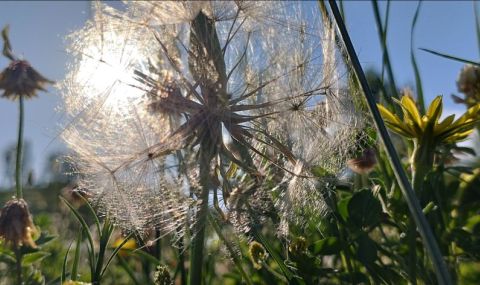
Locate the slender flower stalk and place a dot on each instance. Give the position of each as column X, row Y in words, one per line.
column 18, row 163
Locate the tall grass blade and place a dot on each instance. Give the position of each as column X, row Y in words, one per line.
column 63, row 277
column 85, row 228
column 450, row 56
column 382, row 33
column 385, row 31
column 114, row 253
column 428, row 238
column 76, row 257
column 418, row 79
column 477, row 22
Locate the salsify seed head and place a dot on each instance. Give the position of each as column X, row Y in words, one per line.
column 16, row 225
column 229, row 104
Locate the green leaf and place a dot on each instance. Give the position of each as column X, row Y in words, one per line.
column 7, row 258
column 86, row 229
column 473, row 224
column 115, row 252
column 34, row 257
column 418, row 79
column 450, row 57
column 76, row 257
column 44, row 238
column 63, row 276
column 326, row 246
column 364, row 210
column 342, row 208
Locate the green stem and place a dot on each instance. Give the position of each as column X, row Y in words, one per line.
column 196, row 258
column 18, row 258
column 386, row 56
column 18, row 164
column 428, row 238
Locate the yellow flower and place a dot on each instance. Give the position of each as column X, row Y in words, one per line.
column 128, row 246
column 428, row 127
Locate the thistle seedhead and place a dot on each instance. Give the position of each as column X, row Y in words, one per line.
column 238, row 104
column 16, row 225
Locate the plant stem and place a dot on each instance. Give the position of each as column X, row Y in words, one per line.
column 386, row 56
column 196, row 258
column 18, row 258
column 18, row 163
column 428, row 238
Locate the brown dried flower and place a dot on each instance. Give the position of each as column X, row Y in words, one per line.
column 21, row 79
column 363, row 164
column 16, row 225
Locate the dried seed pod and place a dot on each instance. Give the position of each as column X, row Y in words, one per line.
column 16, row 225
column 21, row 79
column 363, row 164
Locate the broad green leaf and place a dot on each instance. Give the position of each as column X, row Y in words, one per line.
column 326, row 246
column 364, row 210
column 34, row 257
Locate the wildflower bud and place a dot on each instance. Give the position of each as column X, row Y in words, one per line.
column 468, row 83
column 21, row 79
column 363, row 164
column 16, row 225
column 298, row 246
column 257, row 254
column 76, row 195
column 162, row 277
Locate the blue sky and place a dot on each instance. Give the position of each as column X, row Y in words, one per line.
column 38, row 29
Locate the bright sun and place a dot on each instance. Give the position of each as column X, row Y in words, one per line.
column 106, row 71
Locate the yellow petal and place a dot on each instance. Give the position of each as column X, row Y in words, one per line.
column 435, row 110
column 411, row 109
column 388, row 116
column 439, row 128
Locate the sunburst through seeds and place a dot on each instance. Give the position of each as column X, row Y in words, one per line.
column 179, row 109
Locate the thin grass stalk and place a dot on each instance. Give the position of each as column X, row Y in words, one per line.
column 477, row 22
column 413, row 59
column 386, row 56
column 18, row 163
column 443, row 275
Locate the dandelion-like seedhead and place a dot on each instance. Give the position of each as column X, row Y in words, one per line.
column 176, row 106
